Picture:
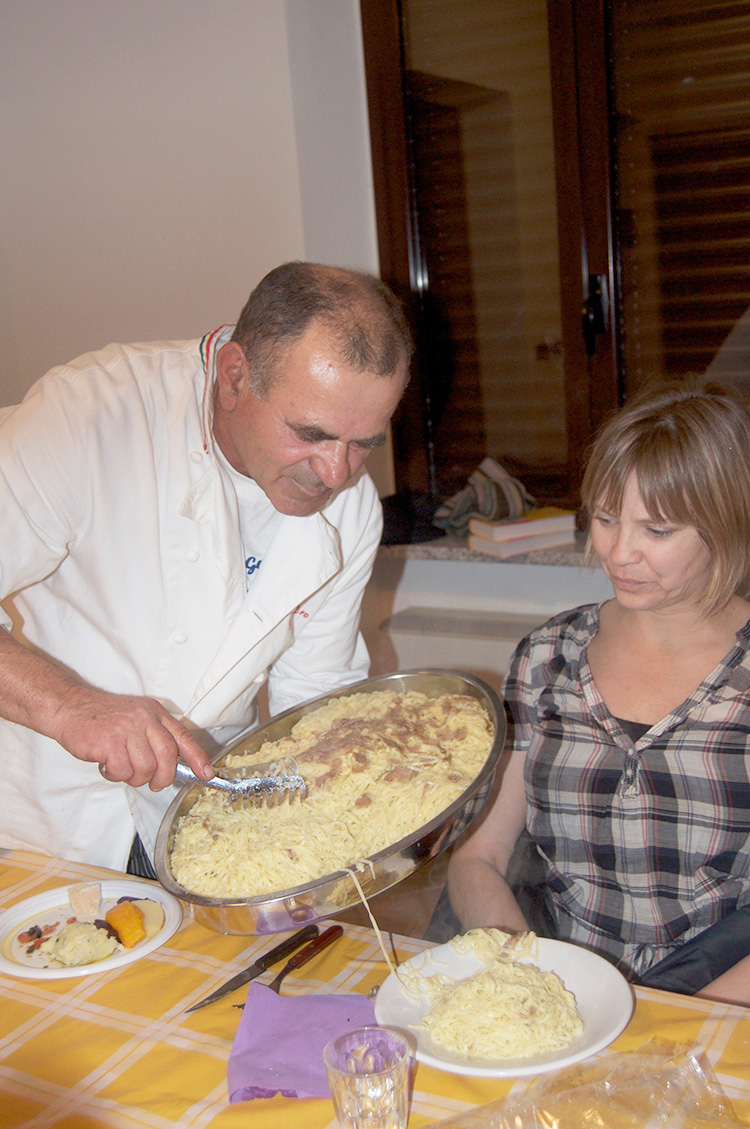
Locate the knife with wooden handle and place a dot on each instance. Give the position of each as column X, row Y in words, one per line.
column 304, row 955
column 273, row 956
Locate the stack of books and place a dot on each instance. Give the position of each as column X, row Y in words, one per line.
column 545, row 528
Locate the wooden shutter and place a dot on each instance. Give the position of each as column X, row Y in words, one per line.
column 681, row 93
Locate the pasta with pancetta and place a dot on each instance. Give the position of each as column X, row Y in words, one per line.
column 509, row 1009
column 378, row 766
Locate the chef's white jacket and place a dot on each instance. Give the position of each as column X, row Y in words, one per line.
column 121, row 550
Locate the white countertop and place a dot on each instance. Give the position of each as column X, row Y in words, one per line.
column 452, row 548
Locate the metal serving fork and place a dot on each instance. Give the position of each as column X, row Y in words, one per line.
column 271, row 782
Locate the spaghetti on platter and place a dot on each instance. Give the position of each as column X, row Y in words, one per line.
column 378, row 766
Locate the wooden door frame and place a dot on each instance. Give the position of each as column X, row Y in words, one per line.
column 585, row 210
column 381, row 35
column 578, row 38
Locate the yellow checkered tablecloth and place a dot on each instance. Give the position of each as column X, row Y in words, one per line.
column 116, row 1048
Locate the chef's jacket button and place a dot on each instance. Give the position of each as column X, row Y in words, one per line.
column 180, row 637
column 196, row 456
column 192, row 555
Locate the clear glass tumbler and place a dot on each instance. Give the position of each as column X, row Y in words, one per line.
column 369, row 1075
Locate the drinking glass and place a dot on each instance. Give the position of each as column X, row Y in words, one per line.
column 369, row 1075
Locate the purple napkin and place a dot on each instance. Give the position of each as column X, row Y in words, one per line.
column 279, row 1043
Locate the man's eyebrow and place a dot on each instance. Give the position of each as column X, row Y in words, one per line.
column 311, row 433
column 373, row 441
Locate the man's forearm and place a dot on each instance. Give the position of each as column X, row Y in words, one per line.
column 32, row 687
column 134, row 736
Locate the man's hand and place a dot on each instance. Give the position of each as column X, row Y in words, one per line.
column 135, row 739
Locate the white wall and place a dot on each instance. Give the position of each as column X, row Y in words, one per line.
column 159, row 156
column 332, row 132
column 329, row 103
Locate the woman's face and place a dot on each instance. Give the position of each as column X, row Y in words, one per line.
column 652, row 565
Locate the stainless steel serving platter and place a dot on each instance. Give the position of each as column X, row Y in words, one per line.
column 334, row 893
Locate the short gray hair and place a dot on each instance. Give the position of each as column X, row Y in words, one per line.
column 363, row 315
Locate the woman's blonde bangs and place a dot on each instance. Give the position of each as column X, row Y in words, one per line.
column 690, row 453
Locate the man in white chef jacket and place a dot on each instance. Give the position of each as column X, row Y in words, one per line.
column 180, row 522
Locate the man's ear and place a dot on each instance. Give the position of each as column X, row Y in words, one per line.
column 230, row 374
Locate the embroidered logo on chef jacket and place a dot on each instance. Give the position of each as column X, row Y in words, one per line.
column 251, row 565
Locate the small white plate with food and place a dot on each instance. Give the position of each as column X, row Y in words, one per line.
column 474, row 1010
column 86, row 928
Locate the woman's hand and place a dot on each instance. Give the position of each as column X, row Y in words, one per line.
column 732, row 987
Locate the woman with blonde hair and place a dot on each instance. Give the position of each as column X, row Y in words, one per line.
column 629, row 721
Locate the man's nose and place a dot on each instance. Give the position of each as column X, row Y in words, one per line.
column 333, row 464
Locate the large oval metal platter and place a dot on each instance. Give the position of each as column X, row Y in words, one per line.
column 333, row 893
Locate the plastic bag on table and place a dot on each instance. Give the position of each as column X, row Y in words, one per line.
column 655, row 1087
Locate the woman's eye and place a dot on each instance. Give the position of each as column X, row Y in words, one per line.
column 659, row 532
column 604, row 519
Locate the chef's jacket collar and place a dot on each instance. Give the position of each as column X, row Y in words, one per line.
column 209, row 347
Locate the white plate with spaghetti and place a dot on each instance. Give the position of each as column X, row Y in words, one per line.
column 53, row 908
column 603, row 997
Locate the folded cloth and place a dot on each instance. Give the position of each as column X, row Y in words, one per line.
column 279, row 1043
column 491, row 494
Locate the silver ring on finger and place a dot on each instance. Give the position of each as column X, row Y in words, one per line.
column 103, row 771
